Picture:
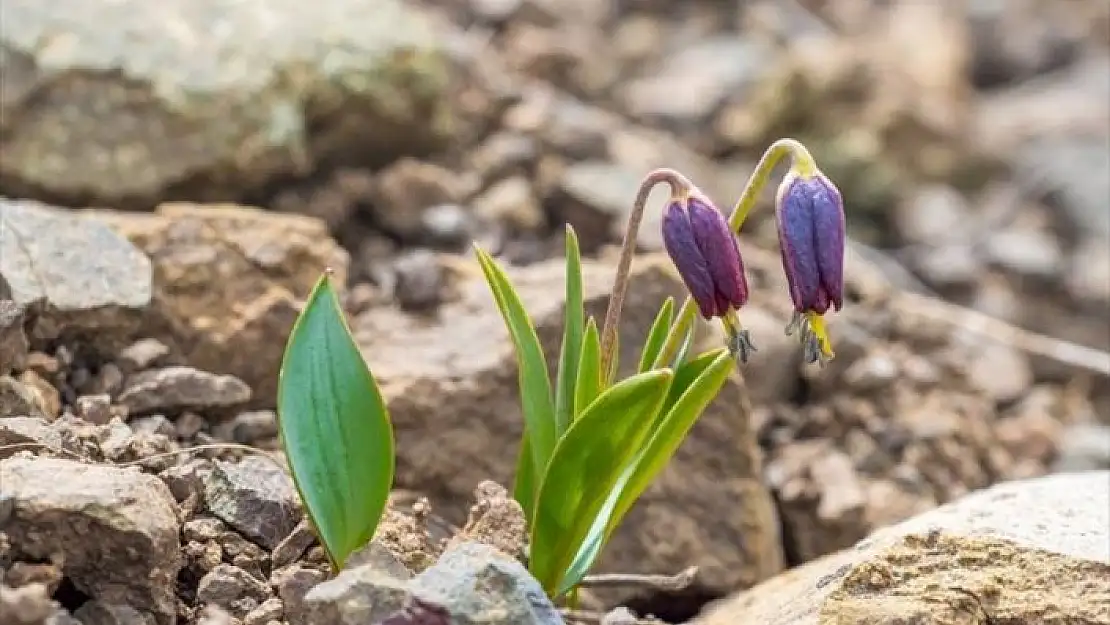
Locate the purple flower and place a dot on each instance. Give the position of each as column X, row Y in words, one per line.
column 704, row 250
column 810, row 214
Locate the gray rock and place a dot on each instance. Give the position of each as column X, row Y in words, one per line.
column 1026, row 252
column 695, row 81
column 187, row 479
column 100, row 613
column 13, row 340
column 292, row 584
column 249, row 427
column 255, row 497
column 1084, row 447
column 178, row 388
column 595, row 197
column 76, row 276
column 142, row 354
column 232, row 589
column 117, row 529
column 294, row 545
column 94, row 408
column 29, row 430
column 356, row 596
column 379, row 557
column 405, row 189
column 190, row 90
column 420, row 281
column 268, row 611
column 480, row 585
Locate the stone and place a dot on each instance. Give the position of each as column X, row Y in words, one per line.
column 1026, row 252
column 451, row 388
column 233, row 589
column 47, row 394
column 13, row 339
column 1025, row 549
column 696, row 81
column 495, row 519
column 115, row 529
column 293, row 546
column 596, row 197
column 35, row 432
column 1084, row 447
column 95, row 409
column 420, row 282
column 249, row 427
column 256, row 497
column 408, row 187
column 476, row 583
column 74, row 278
column 26, row 605
column 100, row 613
column 178, row 388
column 227, row 280
column 205, row 109
column 187, row 479
column 142, row 354
column 932, row 215
column 291, row 584
column 270, row 610
column 18, row 400
column 512, row 202
column 357, row 595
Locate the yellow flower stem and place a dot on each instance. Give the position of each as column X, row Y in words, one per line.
column 803, row 164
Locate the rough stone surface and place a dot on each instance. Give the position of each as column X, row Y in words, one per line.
column 254, row 496
column 450, row 383
column 172, row 389
column 13, row 339
column 76, row 277
column 233, row 589
column 115, row 530
column 1032, row 551
column 262, row 96
column 227, row 279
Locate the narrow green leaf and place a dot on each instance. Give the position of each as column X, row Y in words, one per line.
column 695, row 385
column 684, row 349
column 569, row 355
column 334, row 427
column 589, row 369
column 657, row 335
column 535, row 386
column 584, row 468
column 524, row 480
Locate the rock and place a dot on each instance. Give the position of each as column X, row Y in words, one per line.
column 292, row 583
column 13, row 340
column 932, row 215
column 47, row 395
column 596, row 198
column 450, row 384
column 74, row 278
column 497, row 520
column 250, row 427
column 116, row 529
column 1026, row 252
column 696, row 80
column 1018, row 40
column 379, row 555
column 233, row 589
column 173, row 389
column 26, row 605
column 213, row 115
column 227, row 280
column 270, row 610
column 17, row 399
column 142, row 354
column 294, row 545
column 476, row 583
column 420, row 281
column 1026, row 549
column 31, row 430
column 407, row 188
column 255, row 497
column 511, row 202
column 1084, row 448
column 96, row 409
column 357, row 595
column 1000, row 371
column 100, row 613
column 187, row 479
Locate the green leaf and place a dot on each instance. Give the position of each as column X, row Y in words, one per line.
column 334, row 427
column 684, row 349
column 657, row 335
column 524, row 480
column 695, row 385
column 535, row 386
column 584, row 468
column 572, row 337
column 589, row 369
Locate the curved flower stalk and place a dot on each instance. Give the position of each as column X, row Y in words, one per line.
column 811, row 209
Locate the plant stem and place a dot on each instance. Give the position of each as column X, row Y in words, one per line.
column 679, row 184
column 665, row 583
column 803, row 163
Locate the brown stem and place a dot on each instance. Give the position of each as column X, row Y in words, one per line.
column 679, row 184
column 664, row 583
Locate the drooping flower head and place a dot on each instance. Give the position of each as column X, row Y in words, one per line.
column 705, row 251
column 810, row 215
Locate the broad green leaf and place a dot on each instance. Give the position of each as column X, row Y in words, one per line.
column 589, row 369
column 572, row 337
column 524, row 480
column 535, row 386
column 695, row 385
column 657, row 335
column 334, row 427
column 584, row 468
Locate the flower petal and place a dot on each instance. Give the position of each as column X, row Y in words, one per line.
column 797, row 240
column 828, row 219
column 678, row 240
column 721, row 252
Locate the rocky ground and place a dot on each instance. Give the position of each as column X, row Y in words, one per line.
column 176, row 175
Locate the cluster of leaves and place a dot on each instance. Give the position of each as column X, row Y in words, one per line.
column 592, row 444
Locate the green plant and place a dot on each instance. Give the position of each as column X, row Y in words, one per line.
column 592, row 443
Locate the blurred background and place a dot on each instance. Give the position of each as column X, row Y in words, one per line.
column 970, row 139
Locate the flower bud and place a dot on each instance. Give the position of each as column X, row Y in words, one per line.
column 705, row 252
column 810, row 215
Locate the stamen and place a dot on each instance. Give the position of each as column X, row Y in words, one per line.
column 739, row 340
